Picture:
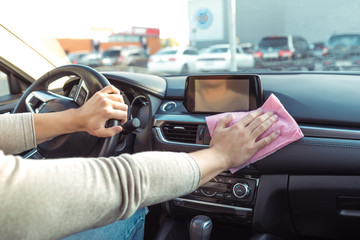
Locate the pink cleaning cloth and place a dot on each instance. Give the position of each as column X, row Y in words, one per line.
column 289, row 129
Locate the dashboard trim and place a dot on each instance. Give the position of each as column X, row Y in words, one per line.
column 250, row 210
column 308, row 130
column 330, row 132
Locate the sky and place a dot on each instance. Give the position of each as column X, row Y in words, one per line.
column 75, row 18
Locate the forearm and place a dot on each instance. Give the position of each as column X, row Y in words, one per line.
column 49, row 125
column 17, row 132
column 210, row 163
column 54, row 198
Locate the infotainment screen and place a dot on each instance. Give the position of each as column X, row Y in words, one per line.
column 222, row 93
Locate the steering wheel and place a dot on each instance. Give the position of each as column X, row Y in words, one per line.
column 38, row 99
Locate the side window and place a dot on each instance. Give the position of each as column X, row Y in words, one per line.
column 304, row 44
column 194, row 52
column 4, row 84
column 296, row 43
column 190, row 52
column 187, row 52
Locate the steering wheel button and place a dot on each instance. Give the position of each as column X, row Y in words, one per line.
column 73, row 92
column 80, row 100
column 83, row 93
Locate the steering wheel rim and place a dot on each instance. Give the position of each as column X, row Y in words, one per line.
column 90, row 80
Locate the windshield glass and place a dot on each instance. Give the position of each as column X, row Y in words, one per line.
column 218, row 50
column 111, row 53
column 274, row 35
column 276, row 42
column 344, row 41
column 166, row 52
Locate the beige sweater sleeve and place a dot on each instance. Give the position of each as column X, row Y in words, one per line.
column 17, row 132
column 50, row 199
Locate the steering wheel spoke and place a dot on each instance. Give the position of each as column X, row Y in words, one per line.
column 80, row 93
column 38, row 99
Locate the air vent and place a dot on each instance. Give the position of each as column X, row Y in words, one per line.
column 180, row 132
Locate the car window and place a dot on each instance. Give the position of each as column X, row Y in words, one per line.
column 4, row 84
column 218, row 50
column 300, row 44
column 303, row 44
column 276, row 42
column 167, row 52
column 111, row 53
column 190, row 52
column 344, row 40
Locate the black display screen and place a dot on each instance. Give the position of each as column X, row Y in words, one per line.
column 222, row 93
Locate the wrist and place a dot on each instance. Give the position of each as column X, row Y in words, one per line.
column 220, row 157
column 74, row 120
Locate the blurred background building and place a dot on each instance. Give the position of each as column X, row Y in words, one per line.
column 208, row 26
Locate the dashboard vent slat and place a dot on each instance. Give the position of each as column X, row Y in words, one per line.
column 180, row 132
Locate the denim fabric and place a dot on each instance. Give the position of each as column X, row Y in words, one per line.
column 131, row 228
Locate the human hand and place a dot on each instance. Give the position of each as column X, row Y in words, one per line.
column 103, row 105
column 236, row 144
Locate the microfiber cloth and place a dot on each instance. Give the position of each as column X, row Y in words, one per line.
column 290, row 131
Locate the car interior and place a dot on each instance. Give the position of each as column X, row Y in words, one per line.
column 306, row 190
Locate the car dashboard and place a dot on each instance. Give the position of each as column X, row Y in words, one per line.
column 308, row 189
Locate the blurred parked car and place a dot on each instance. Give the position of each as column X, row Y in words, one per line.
column 217, row 58
column 342, row 52
column 318, row 49
column 173, row 60
column 92, row 59
column 128, row 56
column 75, row 56
column 284, row 52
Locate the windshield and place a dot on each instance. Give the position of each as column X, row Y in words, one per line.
column 275, row 35
column 166, row 52
column 344, row 41
column 275, row 42
column 114, row 53
column 218, row 50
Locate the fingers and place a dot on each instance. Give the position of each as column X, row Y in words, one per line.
column 108, row 132
column 118, row 106
column 224, row 122
column 115, row 97
column 267, row 140
column 119, row 115
column 262, row 123
column 110, row 89
column 257, row 124
column 250, row 118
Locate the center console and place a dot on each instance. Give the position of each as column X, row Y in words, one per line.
column 180, row 126
column 226, row 197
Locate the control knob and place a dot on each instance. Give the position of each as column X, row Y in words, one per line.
column 241, row 190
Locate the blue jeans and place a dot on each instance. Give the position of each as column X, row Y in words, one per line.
column 131, row 228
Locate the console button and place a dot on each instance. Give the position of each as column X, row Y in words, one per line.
column 220, row 179
column 197, row 192
column 220, row 195
column 230, row 180
column 229, row 196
